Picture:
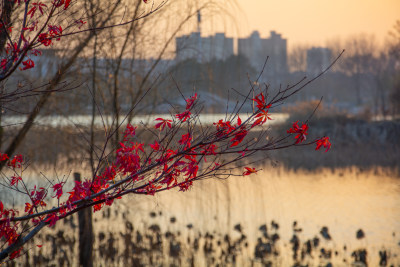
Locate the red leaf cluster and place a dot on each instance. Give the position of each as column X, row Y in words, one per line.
column 162, row 123
column 28, row 64
column 300, row 131
column 36, row 6
column 323, row 142
column 16, row 161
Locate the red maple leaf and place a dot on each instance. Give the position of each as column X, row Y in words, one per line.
column 209, row 150
column 249, row 171
column 67, row 2
column 238, row 138
column 130, row 131
column 28, row 64
column 262, row 116
column 155, row 146
column 190, row 101
column 184, row 186
column 36, row 52
column 323, row 142
column 301, row 131
column 15, row 180
column 191, row 170
column 33, row 27
column 163, row 122
column 55, row 31
column 3, row 157
column 52, row 219
column 36, row 6
column 44, row 39
column 138, row 146
column 183, row 116
column 239, row 121
column 15, row 254
column 223, row 127
column 151, row 189
column 260, row 99
column 28, row 208
column 16, row 162
column 3, row 63
column 58, row 189
column 185, row 140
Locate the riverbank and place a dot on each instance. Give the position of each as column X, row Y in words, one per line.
column 354, row 143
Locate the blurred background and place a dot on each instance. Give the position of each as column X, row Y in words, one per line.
column 304, row 208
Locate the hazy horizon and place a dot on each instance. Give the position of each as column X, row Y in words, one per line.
column 311, row 22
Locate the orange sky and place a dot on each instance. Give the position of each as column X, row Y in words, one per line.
column 313, row 21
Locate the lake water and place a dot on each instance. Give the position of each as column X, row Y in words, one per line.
column 344, row 201
column 85, row 120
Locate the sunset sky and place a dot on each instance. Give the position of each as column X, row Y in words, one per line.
column 314, row 22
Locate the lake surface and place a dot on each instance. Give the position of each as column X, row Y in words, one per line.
column 344, row 201
column 85, row 120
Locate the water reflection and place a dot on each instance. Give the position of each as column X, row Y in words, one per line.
column 361, row 210
column 275, row 218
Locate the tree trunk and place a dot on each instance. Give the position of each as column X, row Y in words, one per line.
column 6, row 13
column 86, row 237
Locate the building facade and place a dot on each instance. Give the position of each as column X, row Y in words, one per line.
column 257, row 49
column 203, row 49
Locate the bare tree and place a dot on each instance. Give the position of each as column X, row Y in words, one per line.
column 108, row 11
column 297, row 58
column 357, row 60
column 394, row 54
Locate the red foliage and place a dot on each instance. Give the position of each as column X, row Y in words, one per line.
column 184, row 116
column 52, row 219
column 4, row 157
column 262, row 116
column 36, row 6
column 60, row 3
column 58, row 189
column 224, row 128
column 136, row 167
column 15, row 180
column 130, row 132
column 163, row 122
column 45, row 39
column 16, row 162
column 300, row 131
column 239, row 136
column 171, row 168
column 323, row 142
column 249, row 171
column 3, row 63
column 190, row 101
column 28, row 64
column 185, row 140
column 260, row 100
column 155, row 146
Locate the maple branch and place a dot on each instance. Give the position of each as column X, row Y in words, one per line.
column 21, row 241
